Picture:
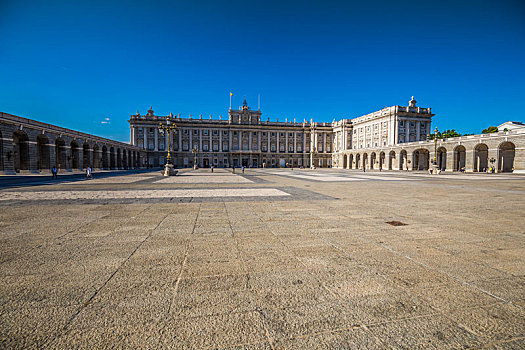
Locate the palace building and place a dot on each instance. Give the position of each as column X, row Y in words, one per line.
column 245, row 139
column 241, row 140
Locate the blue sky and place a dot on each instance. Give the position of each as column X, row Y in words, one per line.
column 88, row 65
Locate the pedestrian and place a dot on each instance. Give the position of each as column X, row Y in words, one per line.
column 212, row 168
column 233, row 169
column 291, row 166
column 243, row 169
column 89, row 174
column 54, row 172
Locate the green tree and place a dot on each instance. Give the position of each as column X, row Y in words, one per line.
column 490, row 130
column 445, row 134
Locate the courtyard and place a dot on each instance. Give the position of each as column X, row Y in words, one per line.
column 268, row 259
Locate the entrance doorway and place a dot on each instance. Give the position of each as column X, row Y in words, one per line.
column 255, row 163
column 205, row 163
column 245, row 162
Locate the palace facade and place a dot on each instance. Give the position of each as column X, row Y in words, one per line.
column 245, row 139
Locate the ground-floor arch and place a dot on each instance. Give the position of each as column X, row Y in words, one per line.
column 21, row 150
column 391, row 159
column 42, row 144
column 358, row 161
column 459, row 157
column 60, row 153
column 365, row 160
column 481, row 157
column 403, row 161
column 420, row 159
column 506, row 153
column 442, row 158
column 373, row 160
column 381, row 160
column 75, row 161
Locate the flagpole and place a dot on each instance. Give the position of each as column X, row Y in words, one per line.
column 231, row 100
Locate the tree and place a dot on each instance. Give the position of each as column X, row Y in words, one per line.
column 490, row 130
column 445, row 134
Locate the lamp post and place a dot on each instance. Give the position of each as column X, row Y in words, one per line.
column 166, row 129
column 492, row 161
column 195, row 151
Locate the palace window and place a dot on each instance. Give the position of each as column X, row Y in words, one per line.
column 205, row 132
column 273, row 134
column 235, row 133
column 225, row 132
column 195, row 132
column 254, row 133
column 290, row 134
column 281, row 134
column 215, row 132
column 185, row 131
column 264, row 133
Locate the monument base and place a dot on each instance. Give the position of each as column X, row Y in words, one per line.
column 169, row 171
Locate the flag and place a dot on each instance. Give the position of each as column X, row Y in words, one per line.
column 231, row 94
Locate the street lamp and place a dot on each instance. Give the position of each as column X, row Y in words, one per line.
column 195, row 151
column 167, row 129
column 492, row 161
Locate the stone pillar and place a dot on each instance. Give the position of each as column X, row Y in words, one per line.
column 240, row 142
column 278, row 146
column 268, row 146
column 294, row 141
column 81, row 164
column 286, row 142
column 230, row 141
column 180, row 140
column 33, row 157
column 146, row 139
column 191, row 138
column 250, row 140
column 418, row 131
column 324, row 142
column 200, row 140
column 450, row 161
column 469, row 160
column 156, row 139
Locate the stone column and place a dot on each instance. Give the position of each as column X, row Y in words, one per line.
column 220, row 140
column 268, row 146
column 278, row 146
column 450, row 161
column 418, row 130
column 230, row 141
column 469, row 160
column 295, row 141
column 200, row 140
column 324, row 142
column 191, row 139
column 250, row 140
column 286, row 142
column 180, row 140
column 146, row 139
column 156, row 139
column 240, row 142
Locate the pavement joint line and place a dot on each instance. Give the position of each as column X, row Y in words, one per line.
column 177, row 283
column 97, row 291
column 436, row 270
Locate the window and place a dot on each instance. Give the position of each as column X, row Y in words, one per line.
column 281, row 134
column 215, row 132
column 281, row 148
column 254, row 133
column 224, row 147
column 273, row 148
column 412, row 124
column 401, row 123
column 264, row 133
column 185, row 146
column 195, row 132
column 264, row 147
column 185, row 131
column 273, row 134
column 205, row 147
column 205, row 132
column 290, row 134
column 225, row 132
column 140, row 130
column 290, row 148
column 299, row 135
column 235, row 133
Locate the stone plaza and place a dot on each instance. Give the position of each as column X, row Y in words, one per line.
column 266, row 259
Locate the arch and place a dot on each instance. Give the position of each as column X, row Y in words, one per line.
column 131, row 165
column 358, row 161
column 459, row 157
column 506, row 153
column 442, row 158
column 403, row 164
column 372, row 160
column 75, row 164
column 345, row 161
column 42, row 144
column 60, row 153
column 1, row 152
column 124, row 159
column 119, row 159
column 481, row 157
column 381, row 160
column 21, row 150
column 350, row 161
column 391, row 159
column 96, row 156
column 86, row 155
column 112, row 160
column 420, row 159
column 365, row 160
column 105, row 163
